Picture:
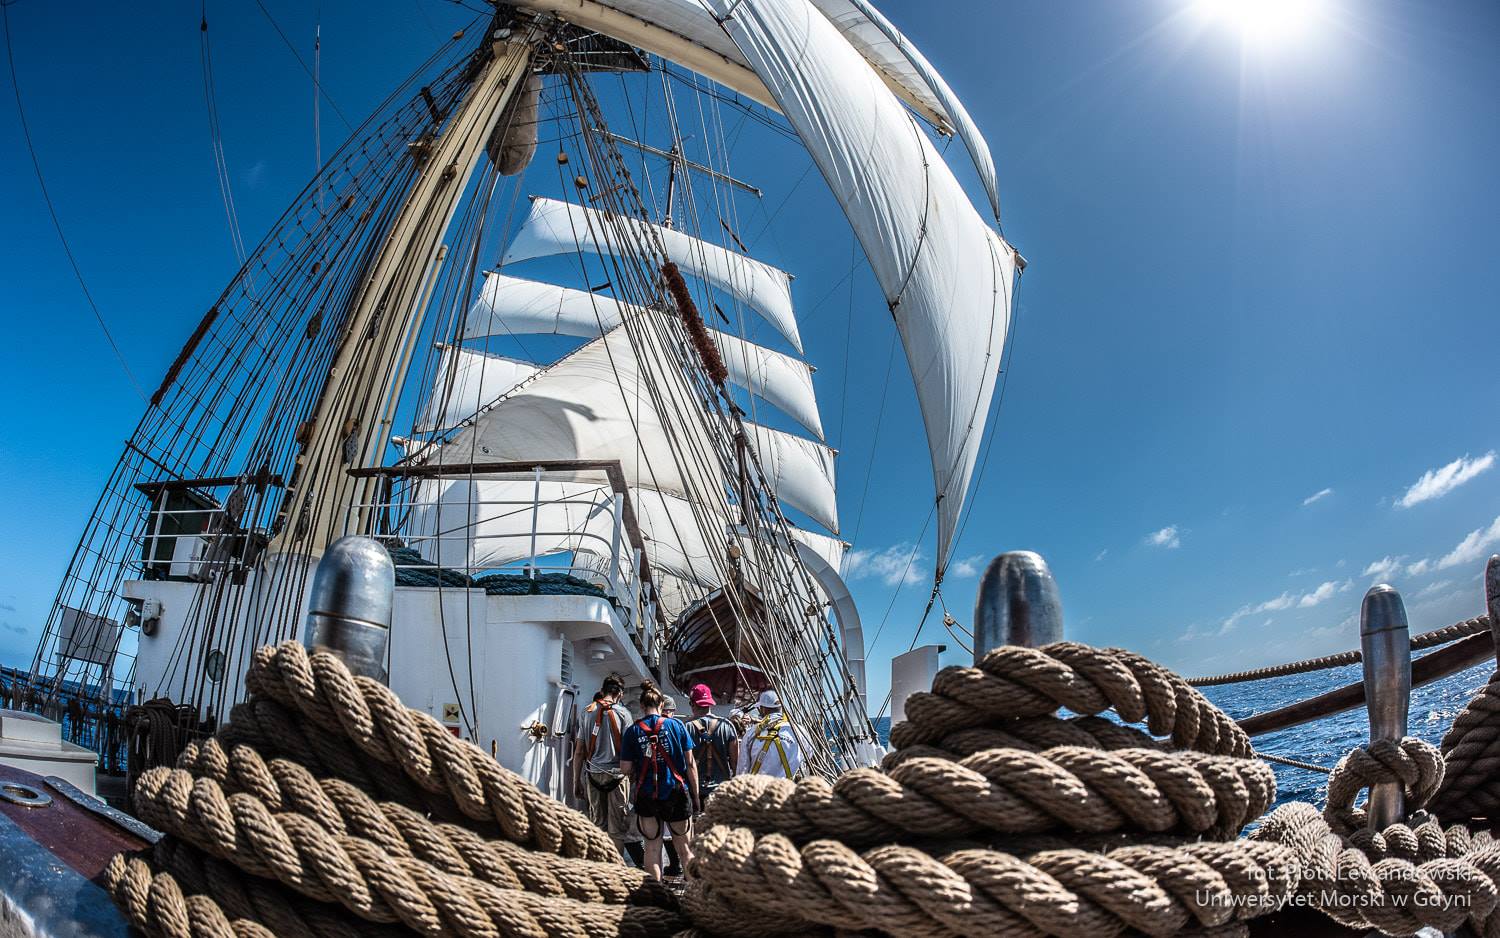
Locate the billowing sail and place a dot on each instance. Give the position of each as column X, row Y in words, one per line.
column 512, row 306
column 465, row 381
column 595, row 405
column 685, row 32
column 946, row 274
column 489, row 523
column 555, row 227
column 902, row 64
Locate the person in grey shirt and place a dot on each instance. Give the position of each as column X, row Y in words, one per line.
column 597, row 780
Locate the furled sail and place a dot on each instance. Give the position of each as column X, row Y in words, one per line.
column 513, row 306
column 465, row 381
column 555, row 227
column 594, row 405
column 946, row 274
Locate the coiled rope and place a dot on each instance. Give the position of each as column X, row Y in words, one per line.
column 327, row 809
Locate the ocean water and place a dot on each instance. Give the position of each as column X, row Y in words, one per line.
column 1323, row 742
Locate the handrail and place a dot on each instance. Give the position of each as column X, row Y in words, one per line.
column 610, row 467
column 1434, row 667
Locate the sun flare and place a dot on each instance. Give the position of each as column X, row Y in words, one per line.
column 1262, row 21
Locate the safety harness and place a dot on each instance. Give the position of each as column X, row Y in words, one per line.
column 768, row 733
column 656, row 754
column 614, row 729
column 707, row 734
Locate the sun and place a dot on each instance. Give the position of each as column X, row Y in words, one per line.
column 1262, row 21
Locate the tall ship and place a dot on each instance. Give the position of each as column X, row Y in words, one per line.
column 516, row 331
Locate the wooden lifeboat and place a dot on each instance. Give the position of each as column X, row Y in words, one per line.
column 709, row 645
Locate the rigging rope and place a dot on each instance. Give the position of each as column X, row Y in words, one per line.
column 1418, row 642
column 41, row 181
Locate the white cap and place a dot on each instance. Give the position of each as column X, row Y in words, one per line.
column 768, row 700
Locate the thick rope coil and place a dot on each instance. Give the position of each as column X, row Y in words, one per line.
column 1395, row 896
column 1012, row 682
column 367, row 880
column 1008, row 791
column 1471, row 749
column 1032, row 735
column 154, row 904
column 904, row 891
column 370, row 715
column 1413, row 763
column 342, row 808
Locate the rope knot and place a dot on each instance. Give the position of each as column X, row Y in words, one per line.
column 1414, row 764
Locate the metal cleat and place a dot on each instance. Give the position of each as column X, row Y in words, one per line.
column 349, row 609
column 1386, row 647
column 1018, row 604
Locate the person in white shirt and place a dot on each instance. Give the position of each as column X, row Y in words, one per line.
column 769, row 746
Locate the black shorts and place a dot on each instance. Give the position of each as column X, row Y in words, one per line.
column 672, row 809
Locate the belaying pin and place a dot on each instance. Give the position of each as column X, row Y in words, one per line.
column 1492, row 599
column 349, row 607
column 1018, row 604
column 1386, row 647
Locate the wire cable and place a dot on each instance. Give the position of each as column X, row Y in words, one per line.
column 41, row 182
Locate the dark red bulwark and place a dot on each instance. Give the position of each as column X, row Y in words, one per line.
column 55, row 842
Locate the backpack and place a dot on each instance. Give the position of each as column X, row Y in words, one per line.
column 655, row 756
column 707, row 734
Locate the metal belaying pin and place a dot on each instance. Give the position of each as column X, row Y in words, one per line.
column 1492, row 599
column 1386, row 647
column 1018, row 604
column 349, row 607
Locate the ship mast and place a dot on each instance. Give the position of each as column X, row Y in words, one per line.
column 350, row 425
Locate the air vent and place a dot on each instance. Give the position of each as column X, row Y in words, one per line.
column 566, row 668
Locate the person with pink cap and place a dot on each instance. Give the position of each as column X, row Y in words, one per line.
column 715, row 744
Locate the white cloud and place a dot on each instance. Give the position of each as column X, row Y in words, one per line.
column 1382, row 569
column 1316, row 497
column 1431, row 588
column 967, row 567
column 1419, row 567
column 894, row 565
column 1287, row 600
column 1168, row 537
column 1101, row 555
column 1472, row 548
column 1435, row 483
column 1325, row 591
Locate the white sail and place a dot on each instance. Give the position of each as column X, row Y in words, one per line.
column 513, row 306
column 465, row 381
column 596, row 405
column 685, row 32
column 902, row 64
column 484, row 524
column 946, row 274
column 556, row 227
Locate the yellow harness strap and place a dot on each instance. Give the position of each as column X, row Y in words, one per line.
column 768, row 733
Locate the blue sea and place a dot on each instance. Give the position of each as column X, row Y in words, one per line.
column 1325, row 741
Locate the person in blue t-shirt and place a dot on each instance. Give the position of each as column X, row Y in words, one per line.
column 655, row 753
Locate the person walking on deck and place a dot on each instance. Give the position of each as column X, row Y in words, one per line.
column 655, row 754
column 715, row 742
column 597, row 778
column 770, row 747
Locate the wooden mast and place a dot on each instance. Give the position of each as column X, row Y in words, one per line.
column 350, row 424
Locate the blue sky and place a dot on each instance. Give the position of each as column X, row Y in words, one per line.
column 1253, row 371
